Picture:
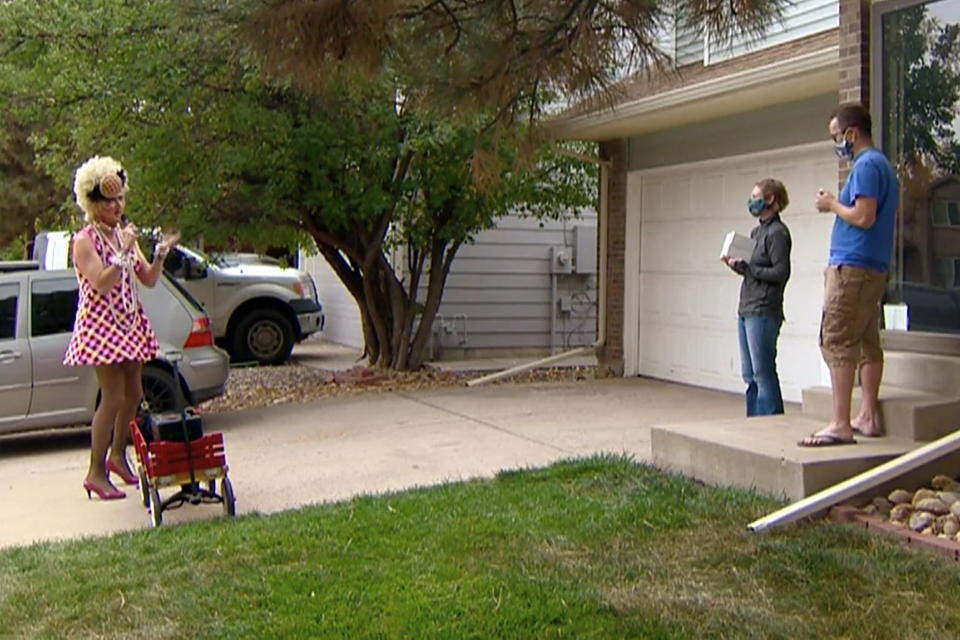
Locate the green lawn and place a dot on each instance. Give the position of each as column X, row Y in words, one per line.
column 598, row 548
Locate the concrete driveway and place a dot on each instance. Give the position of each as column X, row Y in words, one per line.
column 286, row 456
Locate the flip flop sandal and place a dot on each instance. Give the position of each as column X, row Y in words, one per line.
column 824, row 440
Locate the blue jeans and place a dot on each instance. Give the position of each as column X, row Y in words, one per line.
column 758, row 363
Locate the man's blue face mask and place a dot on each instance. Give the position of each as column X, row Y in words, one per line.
column 843, row 148
column 756, row 206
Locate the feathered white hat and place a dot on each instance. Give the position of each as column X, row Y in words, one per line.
column 98, row 179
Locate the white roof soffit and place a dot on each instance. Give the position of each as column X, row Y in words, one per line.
column 796, row 78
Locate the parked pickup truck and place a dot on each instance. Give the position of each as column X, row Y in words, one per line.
column 258, row 310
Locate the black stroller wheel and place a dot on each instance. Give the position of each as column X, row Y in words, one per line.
column 144, row 487
column 229, row 500
column 156, row 517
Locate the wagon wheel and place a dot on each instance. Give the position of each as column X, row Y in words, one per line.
column 144, row 488
column 229, row 500
column 156, row 517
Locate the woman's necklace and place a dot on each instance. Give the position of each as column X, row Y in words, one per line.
column 128, row 286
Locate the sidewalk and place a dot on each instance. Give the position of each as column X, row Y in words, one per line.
column 287, row 456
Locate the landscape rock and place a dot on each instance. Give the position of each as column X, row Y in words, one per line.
column 942, row 482
column 900, row 496
column 901, row 513
column 261, row 386
column 920, row 520
column 933, row 505
column 922, row 494
column 955, row 508
column 948, row 497
column 882, row 506
column 949, row 525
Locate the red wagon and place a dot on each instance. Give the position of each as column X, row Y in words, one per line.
column 194, row 465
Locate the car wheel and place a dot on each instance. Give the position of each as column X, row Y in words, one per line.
column 160, row 391
column 264, row 336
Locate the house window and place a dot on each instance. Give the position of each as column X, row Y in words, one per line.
column 950, row 272
column 916, row 108
column 946, row 213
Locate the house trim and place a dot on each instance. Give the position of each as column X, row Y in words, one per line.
column 795, row 78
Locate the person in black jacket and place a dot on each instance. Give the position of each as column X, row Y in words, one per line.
column 760, row 313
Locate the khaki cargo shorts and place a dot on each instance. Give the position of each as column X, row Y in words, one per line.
column 850, row 324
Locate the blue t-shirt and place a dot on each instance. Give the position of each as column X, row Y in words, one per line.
column 871, row 176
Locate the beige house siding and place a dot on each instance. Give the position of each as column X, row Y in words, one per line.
column 653, row 83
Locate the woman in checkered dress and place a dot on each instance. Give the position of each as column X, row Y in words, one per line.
column 111, row 332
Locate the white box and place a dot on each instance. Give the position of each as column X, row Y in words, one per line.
column 896, row 317
column 737, row 245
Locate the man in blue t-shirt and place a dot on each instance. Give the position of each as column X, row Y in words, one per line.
column 860, row 250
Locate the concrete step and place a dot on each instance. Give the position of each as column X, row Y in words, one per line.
column 762, row 454
column 922, row 371
column 907, row 414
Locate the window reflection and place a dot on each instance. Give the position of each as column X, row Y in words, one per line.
column 920, row 81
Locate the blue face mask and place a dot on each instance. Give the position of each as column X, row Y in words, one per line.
column 844, row 148
column 756, row 206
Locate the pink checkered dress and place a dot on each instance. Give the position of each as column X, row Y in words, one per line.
column 104, row 332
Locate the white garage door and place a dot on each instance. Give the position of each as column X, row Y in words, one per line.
column 686, row 306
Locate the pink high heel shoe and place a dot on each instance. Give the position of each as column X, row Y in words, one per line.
column 128, row 478
column 104, row 494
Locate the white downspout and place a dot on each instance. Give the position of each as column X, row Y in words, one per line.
column 601, row 291
column 859, row 483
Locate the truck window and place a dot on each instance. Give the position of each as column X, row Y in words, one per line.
column 53, row 306
column 8, row 310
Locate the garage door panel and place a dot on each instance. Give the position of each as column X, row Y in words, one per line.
column 651, row 200
column 798, row 363
column 706, row 357
column 682, row 246
column 688, row 299
column 737, row 187
column 704, row 192
column 716, row 299
column 654, row 247
column 690, row 302
column 802, row 315
column 677, row 198
column 669, row 356
column 811, row 243
column 804, row 176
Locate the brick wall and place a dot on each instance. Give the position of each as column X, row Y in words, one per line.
column 855, row 51
column 610, row 355
column 854, row 63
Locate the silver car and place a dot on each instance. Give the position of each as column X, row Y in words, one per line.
column 37, row 309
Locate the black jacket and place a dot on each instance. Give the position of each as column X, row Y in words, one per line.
column 765, row 275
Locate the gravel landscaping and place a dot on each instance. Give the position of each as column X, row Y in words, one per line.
column 933, row 510
column 250, row 387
